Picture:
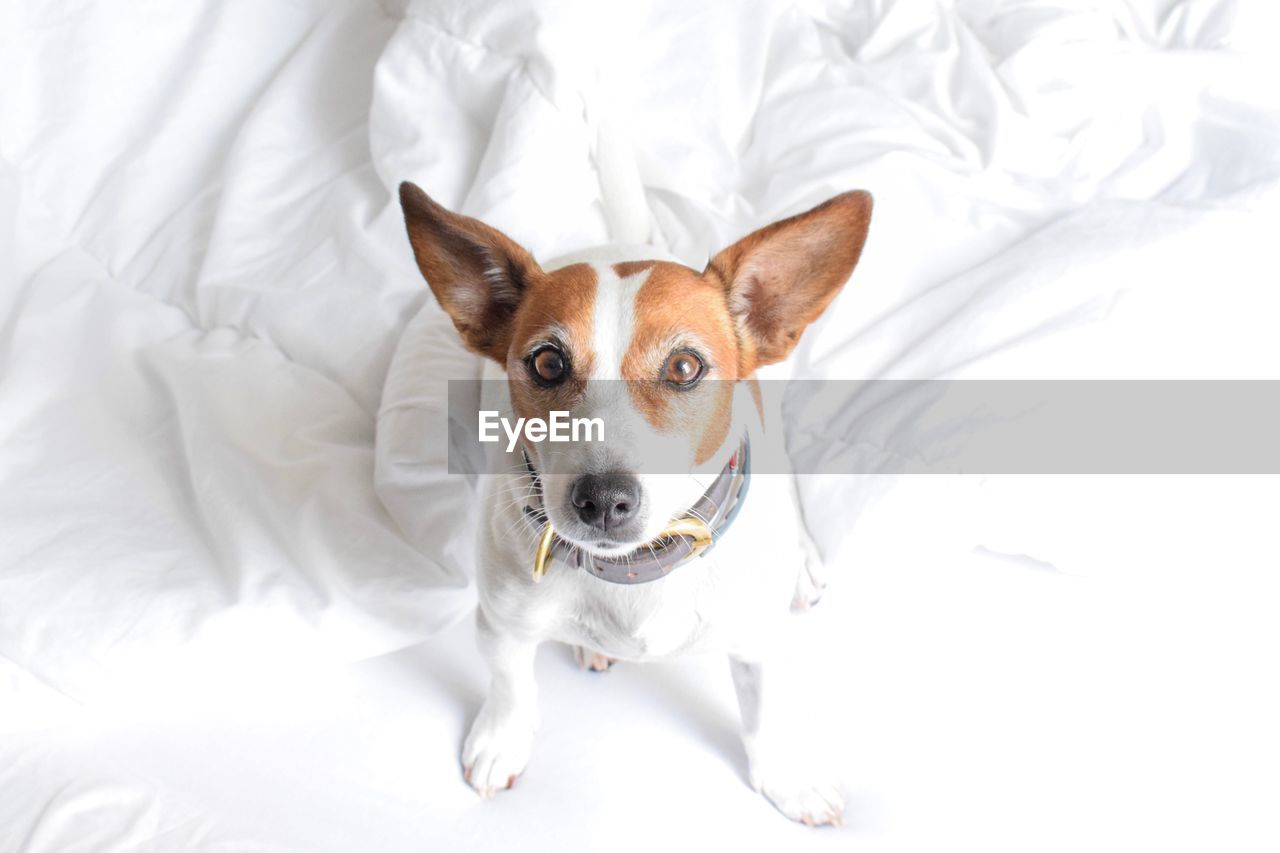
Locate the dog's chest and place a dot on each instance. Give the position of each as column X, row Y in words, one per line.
column 646, row 622
column 730, row 599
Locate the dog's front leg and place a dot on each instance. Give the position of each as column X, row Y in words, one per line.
column 773, row 764
column 498, row 745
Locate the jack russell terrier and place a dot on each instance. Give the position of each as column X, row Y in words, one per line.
column 581, row 544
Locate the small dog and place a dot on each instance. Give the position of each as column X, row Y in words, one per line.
column 628, row 573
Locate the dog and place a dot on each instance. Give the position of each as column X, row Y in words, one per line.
column 582, row 544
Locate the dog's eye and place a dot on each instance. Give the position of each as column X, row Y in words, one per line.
column 683, row 369
column 549, row 366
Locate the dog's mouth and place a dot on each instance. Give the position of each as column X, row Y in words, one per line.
column 607, row 547
column 618, row 543
column 592, row 543
column 681, row 539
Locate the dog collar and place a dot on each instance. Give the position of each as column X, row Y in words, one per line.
column 685, row 539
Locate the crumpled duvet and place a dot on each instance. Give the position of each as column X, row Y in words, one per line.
column 221, row 375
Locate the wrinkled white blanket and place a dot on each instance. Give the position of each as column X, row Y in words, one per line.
column 208, row 314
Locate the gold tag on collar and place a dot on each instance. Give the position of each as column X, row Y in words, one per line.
column 542, row 556
column 695, row 528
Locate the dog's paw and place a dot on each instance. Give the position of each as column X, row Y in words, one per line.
column 594, row 661
column 804, row 801
column 800, row 791
column 496, row 750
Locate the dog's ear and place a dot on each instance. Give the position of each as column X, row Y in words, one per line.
column 780, row 278
column 477, row 273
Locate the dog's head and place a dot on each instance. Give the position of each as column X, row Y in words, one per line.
column 652, row 349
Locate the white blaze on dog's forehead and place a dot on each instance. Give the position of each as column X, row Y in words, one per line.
column 614, row 319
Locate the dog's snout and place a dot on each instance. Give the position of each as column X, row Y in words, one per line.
column 606, row 500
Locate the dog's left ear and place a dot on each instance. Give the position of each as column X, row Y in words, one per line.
column 780, row 278
column 477, row 273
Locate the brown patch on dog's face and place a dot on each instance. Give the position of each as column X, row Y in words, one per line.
column 625, row 269
column 556, row 313
column 678, row 311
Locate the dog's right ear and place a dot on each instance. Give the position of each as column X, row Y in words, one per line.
column 477, row 273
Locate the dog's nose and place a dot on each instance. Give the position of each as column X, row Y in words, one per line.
column 606, row 500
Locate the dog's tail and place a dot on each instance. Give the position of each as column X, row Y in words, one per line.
column 626, row 209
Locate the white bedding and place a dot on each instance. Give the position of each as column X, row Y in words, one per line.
column 231, row 620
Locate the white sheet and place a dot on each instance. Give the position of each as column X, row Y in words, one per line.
column 207, row 566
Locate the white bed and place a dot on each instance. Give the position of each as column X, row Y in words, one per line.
column 234, row 578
